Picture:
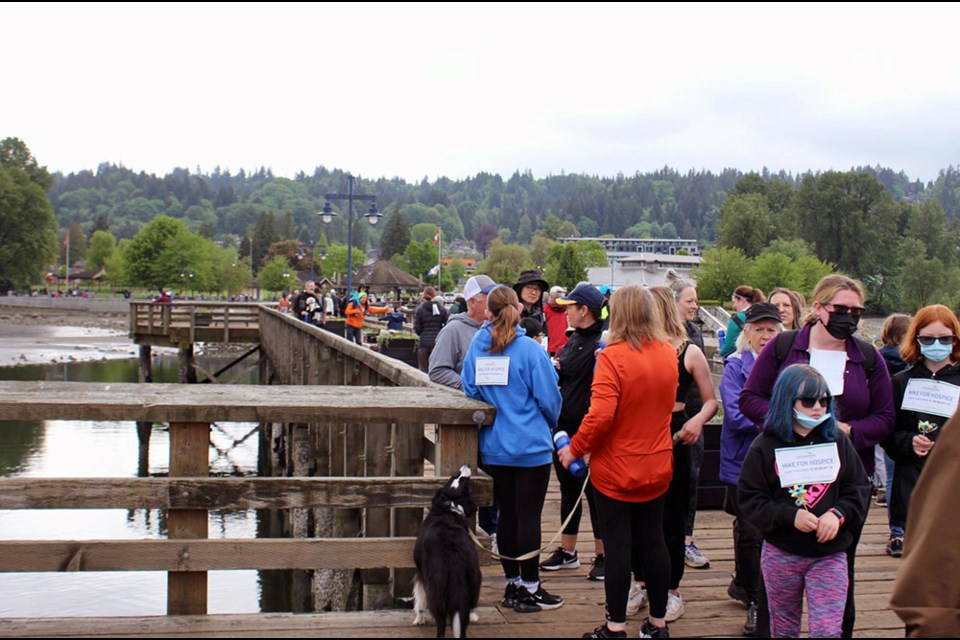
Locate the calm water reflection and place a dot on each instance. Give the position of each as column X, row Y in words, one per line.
column 62, row 448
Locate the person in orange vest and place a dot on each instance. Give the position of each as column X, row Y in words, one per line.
column 356, row 309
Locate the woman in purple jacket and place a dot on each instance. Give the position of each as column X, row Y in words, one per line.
column 762, row 324
column 863, row 397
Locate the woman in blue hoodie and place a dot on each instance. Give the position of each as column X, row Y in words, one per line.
column 516, row 377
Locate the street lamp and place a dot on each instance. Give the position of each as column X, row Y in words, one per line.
column 184, row 275
column 372, row 215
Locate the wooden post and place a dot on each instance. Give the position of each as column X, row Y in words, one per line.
column 144, row 428
column 186, row 373
column 300, row 519
column 376, row 582
column 189, row 457
column 456, row 446
column 408, row 461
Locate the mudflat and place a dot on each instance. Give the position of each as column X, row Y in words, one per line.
column 44, row 336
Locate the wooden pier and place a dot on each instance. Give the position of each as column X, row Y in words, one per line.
column 354, row 434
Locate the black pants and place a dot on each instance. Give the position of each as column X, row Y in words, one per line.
column 570, row 488
column 633, row 529
column 675, row 505
column 746, row 545
column 520, row 492
column 423, row 358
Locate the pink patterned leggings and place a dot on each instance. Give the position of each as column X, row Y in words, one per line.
column 825, row 579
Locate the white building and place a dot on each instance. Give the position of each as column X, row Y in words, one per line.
column 645, row 269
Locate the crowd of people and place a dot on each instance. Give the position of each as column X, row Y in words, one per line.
column 624, row 375
column 808, row 409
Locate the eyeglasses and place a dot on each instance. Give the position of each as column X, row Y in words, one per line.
column 929, row 340
column 856, row 312
column 808, row 403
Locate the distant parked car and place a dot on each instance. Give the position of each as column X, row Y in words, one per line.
column 449, row 298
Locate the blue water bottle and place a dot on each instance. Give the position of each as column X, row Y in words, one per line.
column 721, row 338
column 577, row 468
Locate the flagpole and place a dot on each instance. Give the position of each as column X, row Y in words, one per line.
column 439, row 253
column 67, row 270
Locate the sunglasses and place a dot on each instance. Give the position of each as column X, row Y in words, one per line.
column 856, row 312
column 809, row 403
column 929, row 340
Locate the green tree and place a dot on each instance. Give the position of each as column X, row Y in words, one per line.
column 14, row 154
column 276, row 275
column 564, row 267
column 102, row 246
column 28, row 241
column 163, row 250
column 540, row 248
column 396, row 236
column 721, row 271
column 77, row 245
column 745, row 223
column 335, row 266
column 264, row 234
column 505, row 262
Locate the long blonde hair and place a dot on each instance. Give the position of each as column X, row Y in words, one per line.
column 502, row 303
column 635, row 317
column 672, row 322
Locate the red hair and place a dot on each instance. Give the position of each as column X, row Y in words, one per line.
column 910, row 351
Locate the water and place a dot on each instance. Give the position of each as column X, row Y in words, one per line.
column 66, row 448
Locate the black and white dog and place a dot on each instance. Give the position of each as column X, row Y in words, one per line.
column 447, row 583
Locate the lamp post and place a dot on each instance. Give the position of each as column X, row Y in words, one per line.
column 186, row 276
column 372, row 216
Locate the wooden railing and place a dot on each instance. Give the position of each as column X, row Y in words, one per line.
column 188, row 493
column 182, row 323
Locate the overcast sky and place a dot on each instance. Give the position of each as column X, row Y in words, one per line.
column 417, row 91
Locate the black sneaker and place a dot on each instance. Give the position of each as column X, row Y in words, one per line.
column 561, row 559
column 532, row 602
column 510, row 595
column 604, row 632
column 649, row 630
column 750, row 626
column 596, row 571
column 738, row 593
column 895, row 547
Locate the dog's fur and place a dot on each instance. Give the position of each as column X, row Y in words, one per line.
column 448, row 579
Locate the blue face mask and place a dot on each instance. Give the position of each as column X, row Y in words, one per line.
column 809, row 422
column 936, row 352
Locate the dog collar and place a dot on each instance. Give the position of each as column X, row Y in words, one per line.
column 456, row 508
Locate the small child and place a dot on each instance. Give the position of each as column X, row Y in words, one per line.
column 533, row 327
column 802, row 517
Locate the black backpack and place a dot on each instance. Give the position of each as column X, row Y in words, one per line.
column 784, row 342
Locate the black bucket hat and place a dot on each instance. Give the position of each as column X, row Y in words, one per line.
column 531, row 276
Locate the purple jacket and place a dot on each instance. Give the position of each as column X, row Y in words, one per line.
column 867, row 405
column 738, row 431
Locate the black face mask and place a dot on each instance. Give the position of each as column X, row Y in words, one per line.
column 842, row 325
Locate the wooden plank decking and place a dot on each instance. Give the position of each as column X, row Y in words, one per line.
column 709, row 612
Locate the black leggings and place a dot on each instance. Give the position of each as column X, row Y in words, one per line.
column 520, row 492
column 570, row 488
column 746, row 545
column 633, row 529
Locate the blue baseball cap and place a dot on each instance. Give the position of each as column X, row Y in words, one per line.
column 584, row 294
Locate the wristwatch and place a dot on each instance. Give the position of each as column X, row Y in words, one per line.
column 837, row 513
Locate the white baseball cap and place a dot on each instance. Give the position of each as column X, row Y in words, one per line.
column 478, row 284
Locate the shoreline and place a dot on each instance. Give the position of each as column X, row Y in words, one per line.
column 33, row 336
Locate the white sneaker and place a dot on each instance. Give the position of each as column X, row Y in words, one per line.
column 674, row 607
column 637, row 599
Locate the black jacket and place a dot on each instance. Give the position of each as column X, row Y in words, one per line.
column 577, row 361
column 900, row 444
column 770, row 507
column 429, row 319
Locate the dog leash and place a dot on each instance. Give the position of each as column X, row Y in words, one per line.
column 535, row 553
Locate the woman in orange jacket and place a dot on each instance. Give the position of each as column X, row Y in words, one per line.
column 627, row 434
column 356, row 309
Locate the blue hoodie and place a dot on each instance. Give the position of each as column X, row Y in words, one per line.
column 527, row 406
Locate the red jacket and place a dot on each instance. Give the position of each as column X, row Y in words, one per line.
column 556, row 326
column 627, row 430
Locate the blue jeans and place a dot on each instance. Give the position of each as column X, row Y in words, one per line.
column 895, row 532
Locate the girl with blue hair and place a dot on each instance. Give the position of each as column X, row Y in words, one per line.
column 801, row 481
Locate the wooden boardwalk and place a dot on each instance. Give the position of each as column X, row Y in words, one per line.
column 709, row 612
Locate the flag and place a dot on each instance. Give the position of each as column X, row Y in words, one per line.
column 66, row 239
column 434, row 270
column 436, row 238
